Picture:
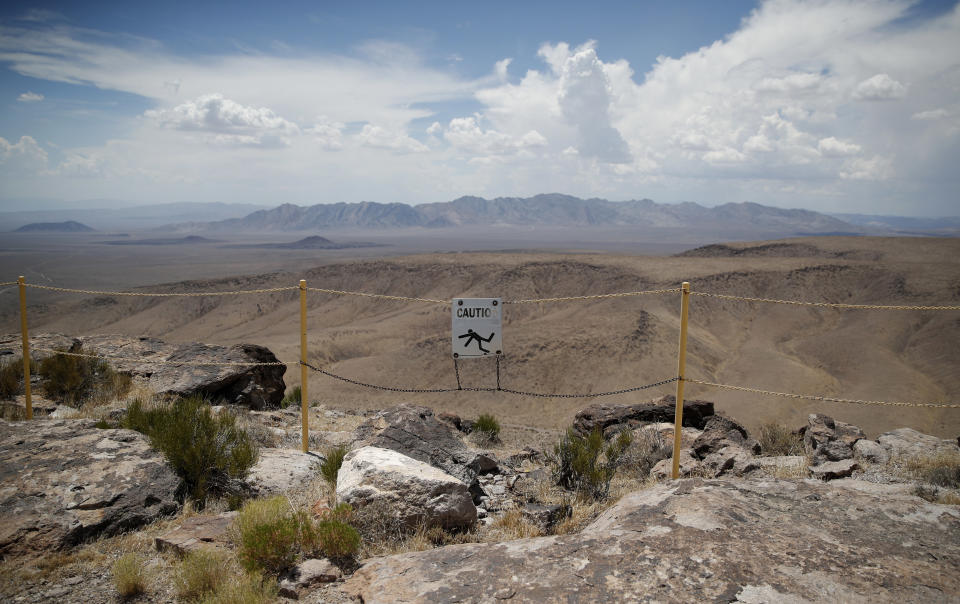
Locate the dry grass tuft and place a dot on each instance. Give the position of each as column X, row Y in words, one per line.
column 129, row 575
column 512, row 524
column 202, row 573
column 777, row 439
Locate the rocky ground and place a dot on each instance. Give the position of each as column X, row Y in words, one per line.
column 844, row 518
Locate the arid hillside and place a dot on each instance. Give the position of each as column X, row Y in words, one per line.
column 594, row 345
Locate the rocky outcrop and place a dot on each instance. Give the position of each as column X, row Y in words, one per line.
column 414, row 491
column 704, row 541
column 871, row 451
column 307, row 574
column 197, row 532
column 612, row 418
column 65, row 481
column 280, row 470
column 825, row 439
column 907, row 442
column 256, row 387
column 415, row 432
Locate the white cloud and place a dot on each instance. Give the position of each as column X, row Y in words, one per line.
column 500, row 68
column 833, row 147
column 228, row 121
column 880, row 87
column 466, row 134
column 931, row 115
column 379, row 137
column 862, row 168
column 30, row 97
column 85, row 165
column 26, row 150
column 327, row 133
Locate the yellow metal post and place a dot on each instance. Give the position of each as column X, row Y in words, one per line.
column 681, row 368
column 304, row 399
column 26, row 346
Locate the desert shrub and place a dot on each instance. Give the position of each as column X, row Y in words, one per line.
column 942, row 470
column 249, row 588
column 71, row 380
column 11, row 377
column 270, row 534
column 292, row 398
column 777, row 439
column 335, row 537
column 201, row 573
column 646, row 449
column 588, row 464
column 200, row 446
column 486, row 429
column 128, row 575
column 333, row 459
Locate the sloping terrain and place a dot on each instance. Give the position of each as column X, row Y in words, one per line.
column 595, row 345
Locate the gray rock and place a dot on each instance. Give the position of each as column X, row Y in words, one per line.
column 197, row 532
column 415, row 491
column 721, row 432
column 280, row 470
column 65, row 482
column 415, row 432
column 307, row 574
column 731, row 460
column 870, row 451
column 703, row 541
column 256, row 387
column 907, row 442
column 612, row 418
column 830, row 470
column 834, row 450
column 783, row 463
column 689, row 464
column 825, row 439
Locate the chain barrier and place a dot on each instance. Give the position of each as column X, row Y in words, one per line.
column 160, row 362
column 828, row 399
column 162, row 295
column 6, row 283
column 380, row 296
column 823, row 304
column 596, row 296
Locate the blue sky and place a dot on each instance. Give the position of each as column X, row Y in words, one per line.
column 835, row 106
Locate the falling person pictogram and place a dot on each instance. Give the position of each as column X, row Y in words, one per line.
column 473, row 336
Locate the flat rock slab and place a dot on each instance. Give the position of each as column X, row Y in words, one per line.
column 280, row 470
column 197, row 532
column 611, row 417
column 65, row 481
column 694, row 540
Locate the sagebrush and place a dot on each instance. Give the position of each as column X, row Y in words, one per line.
column 588, row 464
column 11, row 377
column 271, row 535
column 202, row 448
column 71, row 380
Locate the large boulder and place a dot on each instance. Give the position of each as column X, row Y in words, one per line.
column 414, row 491
column 278, row 471
column 415, row 432
column 907, row 442
column 611, row 418
column 65, row 481
column 253, row 386
column 825, row 439
column 704, row 541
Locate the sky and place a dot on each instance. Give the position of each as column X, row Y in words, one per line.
column 837, row 106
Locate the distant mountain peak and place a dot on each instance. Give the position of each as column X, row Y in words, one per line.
column 69, row 226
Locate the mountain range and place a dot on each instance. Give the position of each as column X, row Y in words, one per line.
column 547, row 210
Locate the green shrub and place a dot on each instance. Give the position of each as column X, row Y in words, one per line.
column 128, row 575
column 588, row 464
column 249, row 588
column 333, row 459
column 200, row 573
column 11, row 377
column 71, row 380
column 777, row 439
column 487, row 428
column 270, row 534
column 201, row 446
column 292, row 398
column 335, row 537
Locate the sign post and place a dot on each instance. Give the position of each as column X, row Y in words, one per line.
column 477, row 327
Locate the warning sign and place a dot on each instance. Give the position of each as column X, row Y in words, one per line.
column 477, row 327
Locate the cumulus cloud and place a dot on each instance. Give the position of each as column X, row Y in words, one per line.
column 228, row 121
column 863, row 168
column 30, row 97
column 25, row 153
column 880, row 87
column 833, row 147
column 500, row 68
column 931, row 115
column 327, row 133
column 379, row 137
column 467, row 135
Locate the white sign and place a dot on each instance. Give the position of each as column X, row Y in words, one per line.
column 477, row 327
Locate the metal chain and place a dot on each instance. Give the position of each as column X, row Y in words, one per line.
column 380, row 296
column 162, row 295
column 829, row 399
column 823, row 304
column 5, row 283
column 591, row 394
column 378, row 387
column 595, row 297
column 157, row 361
